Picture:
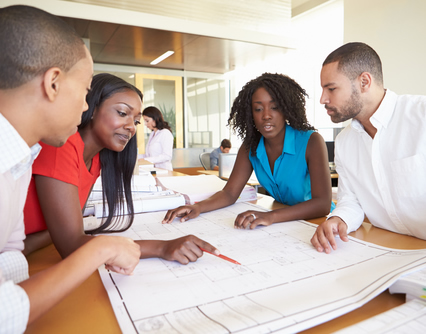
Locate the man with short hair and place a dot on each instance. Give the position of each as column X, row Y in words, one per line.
column 45, row 73
column 225, row 146
column 381, row 156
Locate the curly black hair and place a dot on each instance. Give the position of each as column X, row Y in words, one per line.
column 287, row 94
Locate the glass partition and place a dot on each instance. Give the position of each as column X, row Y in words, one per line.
column 165, row 93
column 207, row 112
column 196, row 107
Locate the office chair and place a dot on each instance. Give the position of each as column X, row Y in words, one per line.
column 205, row 160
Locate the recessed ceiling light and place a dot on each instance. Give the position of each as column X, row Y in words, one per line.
column 162, row 57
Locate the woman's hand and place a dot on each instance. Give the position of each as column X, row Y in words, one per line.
column 186, row 249
column 253, row 218
column 185, row 213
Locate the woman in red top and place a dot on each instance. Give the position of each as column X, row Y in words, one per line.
column 63, row 177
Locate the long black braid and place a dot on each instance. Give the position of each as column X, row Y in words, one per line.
column 287, row 94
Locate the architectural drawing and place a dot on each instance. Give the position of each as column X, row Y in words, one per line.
column 283, row 283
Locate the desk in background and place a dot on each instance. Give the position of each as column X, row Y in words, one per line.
column 208, row 172
column 88, row 310
column 250, row 182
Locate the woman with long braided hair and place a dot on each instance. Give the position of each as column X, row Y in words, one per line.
column 289, row 158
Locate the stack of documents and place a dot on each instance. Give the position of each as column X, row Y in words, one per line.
column 201, row 187
column 144, row 183
column 413, row 285
column 147, row 197
column 407, row 318
column 147, row 202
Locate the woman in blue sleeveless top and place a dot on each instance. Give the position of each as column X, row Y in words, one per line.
column 289, row 158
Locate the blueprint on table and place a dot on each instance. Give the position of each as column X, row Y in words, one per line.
column 282, row 285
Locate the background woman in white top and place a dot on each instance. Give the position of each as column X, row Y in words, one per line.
column 159, row 149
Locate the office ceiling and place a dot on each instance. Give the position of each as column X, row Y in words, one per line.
column 112, row 43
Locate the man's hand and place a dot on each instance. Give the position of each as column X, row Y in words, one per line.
column 124, row 253
column 186, row 249
column 252, row 218
column 324, row 236
column 185, row 213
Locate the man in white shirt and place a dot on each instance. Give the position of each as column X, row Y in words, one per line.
column 45, row 73
column 381, row 156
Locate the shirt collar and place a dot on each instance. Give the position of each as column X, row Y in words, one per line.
column 382, row 115
column 289, row 144
column 16, row 157
column 289, row 140
column 356, row 125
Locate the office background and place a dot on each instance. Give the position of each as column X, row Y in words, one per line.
column 220, row 45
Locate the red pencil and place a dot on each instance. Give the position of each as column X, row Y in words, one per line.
column 221, row 256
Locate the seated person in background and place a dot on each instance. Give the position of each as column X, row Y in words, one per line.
column 45, row 73
column 289, row 158
column 159, row 149
column 380, row 155
column 225, row 146
column 63, row 177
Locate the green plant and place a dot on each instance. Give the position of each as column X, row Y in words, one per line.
column 169, row 116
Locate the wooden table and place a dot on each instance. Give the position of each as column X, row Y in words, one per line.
column 172, row 173
column 250, row 183
column 88, row 310
column 208, row 172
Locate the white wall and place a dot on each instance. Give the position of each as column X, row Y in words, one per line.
column 207, row 110
column 317, row 33
column 396, row 30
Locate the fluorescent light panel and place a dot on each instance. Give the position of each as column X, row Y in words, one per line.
column 162, row 57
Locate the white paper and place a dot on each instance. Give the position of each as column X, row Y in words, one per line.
column 144, row 182
column 201, row 187
column 413, row 284
column 146, row 202
column 408, row 318
column 283, row 284
column 146, row 195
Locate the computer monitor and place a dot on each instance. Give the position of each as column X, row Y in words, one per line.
column 226, row 164
column 330, row 149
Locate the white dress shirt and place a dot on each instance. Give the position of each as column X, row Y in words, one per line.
column 385, row 177
column 159, row 149
column 16, row 159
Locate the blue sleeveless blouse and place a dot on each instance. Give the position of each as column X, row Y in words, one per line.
column 290, row 183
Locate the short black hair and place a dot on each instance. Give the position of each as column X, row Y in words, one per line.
column 289, row 97
column 117, row 167
column 226, row 143
column 31, row 42
column 355, row 58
